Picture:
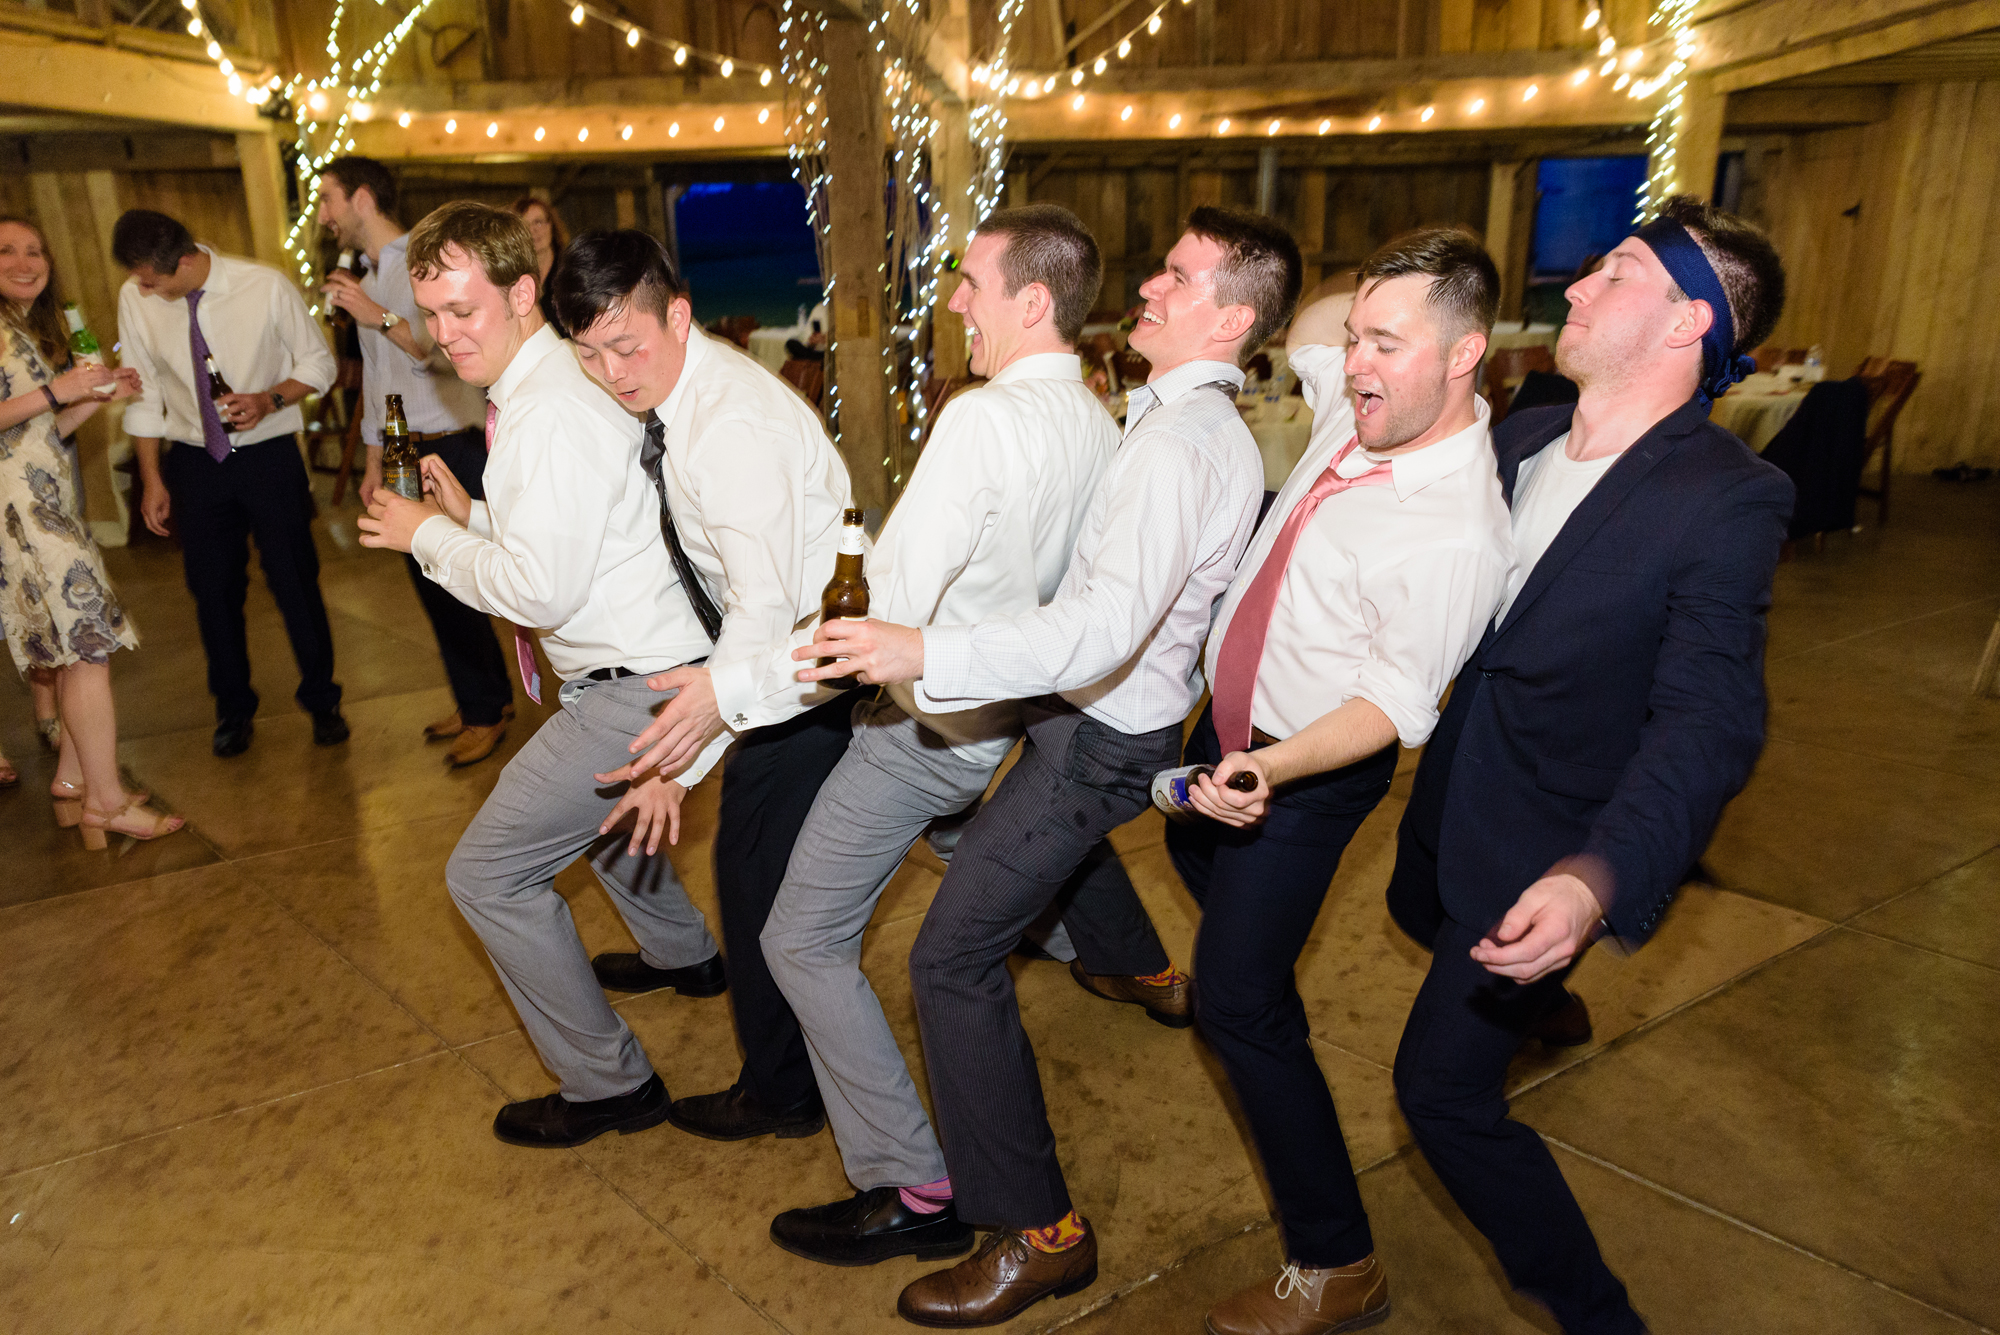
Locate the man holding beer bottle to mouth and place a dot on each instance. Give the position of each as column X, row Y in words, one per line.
column 440, row 414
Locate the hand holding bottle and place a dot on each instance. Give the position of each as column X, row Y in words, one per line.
column 81, row 381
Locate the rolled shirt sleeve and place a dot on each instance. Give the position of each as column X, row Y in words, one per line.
column 312, row 358
column 1322, row 372
column 146, row 415
column 1425, row 613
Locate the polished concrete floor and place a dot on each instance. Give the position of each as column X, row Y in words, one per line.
column 247, row 1073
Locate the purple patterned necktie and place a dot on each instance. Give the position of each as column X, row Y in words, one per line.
column 213, row 433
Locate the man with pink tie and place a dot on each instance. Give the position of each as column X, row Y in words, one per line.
column 1380, row 563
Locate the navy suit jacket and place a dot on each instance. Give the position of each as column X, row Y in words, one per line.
column 1606, row 721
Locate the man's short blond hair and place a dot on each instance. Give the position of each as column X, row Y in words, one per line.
column 495, row 239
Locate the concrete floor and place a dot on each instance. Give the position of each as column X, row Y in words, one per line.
column 247, row 1073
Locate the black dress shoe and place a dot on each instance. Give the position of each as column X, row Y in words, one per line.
column 628, row 973
column 870, row 1226
column 329, row 728
column 232, row 736
column 737, row 1114
column 553, row 1122
column 1567, row 1025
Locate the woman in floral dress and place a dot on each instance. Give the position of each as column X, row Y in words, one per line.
column 56, row 603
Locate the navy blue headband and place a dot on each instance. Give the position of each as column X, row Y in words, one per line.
column 1692, row 273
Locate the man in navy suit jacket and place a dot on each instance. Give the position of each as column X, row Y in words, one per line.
column 1614, row 706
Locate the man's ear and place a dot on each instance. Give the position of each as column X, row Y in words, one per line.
column 1235, row 325
column 521, row 296
column 1694, row 321
column 1039, row 307
column 1465, row 355
column 680, row 317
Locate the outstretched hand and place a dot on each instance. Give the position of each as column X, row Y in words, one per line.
column 878, row 652
column 655, row 805
column 1548, row 926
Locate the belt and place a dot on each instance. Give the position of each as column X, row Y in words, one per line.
column 1258, row 737
column 443, row 435
column 610, row 674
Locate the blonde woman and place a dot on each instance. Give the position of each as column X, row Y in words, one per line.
column 56, row 602
column 550, row 235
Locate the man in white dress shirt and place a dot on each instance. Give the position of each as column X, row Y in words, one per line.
column 984, row 529
column 1381, row 562
column 1114, row 666
column 748, row 493
column 357, row 203
column 232, row 469
column 567, row 538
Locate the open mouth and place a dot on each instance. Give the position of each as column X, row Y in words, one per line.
column 1366, row 402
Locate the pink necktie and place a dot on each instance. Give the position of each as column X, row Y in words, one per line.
column 524, row 643
column 1243, row 643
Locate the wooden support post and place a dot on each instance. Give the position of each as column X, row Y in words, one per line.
column 858, row 226
column 626, row 202
column 1510, row 220
column 1111, row 232
column 264, row 191
column 1309, row 224
column 1267, row 179
column 951, row 176
column 1697, row 142
column 1454, row 25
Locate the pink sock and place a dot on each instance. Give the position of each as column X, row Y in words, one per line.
column 930, row 1198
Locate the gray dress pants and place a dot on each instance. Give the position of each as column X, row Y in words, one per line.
column 542, row 814
column 896, row 778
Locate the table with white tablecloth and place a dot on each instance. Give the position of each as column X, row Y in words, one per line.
column 1758, row 408
column 1282, row 433
column 768, row 346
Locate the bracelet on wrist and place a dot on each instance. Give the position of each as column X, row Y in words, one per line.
column 49, row 393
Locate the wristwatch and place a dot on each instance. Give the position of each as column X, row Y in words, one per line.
column 390, row 320
column 277, row 401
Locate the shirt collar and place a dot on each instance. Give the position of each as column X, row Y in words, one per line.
column 1040, row 366
column 1411, row 473
column 697, row 352
column 218, row 278
column 539, row 345
column 1190, row 375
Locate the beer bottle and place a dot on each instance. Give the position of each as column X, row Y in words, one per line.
column 846, row 596
column 400, row 470
column 217, row 388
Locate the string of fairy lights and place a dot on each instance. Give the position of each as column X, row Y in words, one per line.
column 1663, row 135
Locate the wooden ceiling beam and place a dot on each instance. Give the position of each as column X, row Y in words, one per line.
column 1783, row 39
column 580, row 132
column 46, row 73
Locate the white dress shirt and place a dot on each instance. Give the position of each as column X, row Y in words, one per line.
column 987, row 523
column 1547, row 487
column 1159, row 545
column 756, row 490
column 568, row 537
column 256, row 326
column 1389, row 587
column 434, row 398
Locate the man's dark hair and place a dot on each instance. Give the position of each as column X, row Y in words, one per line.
column 356, row 174
column 602, row 272
column 1260, row 268
column 143, row 237
column 1745, row 263
column 1464, row 294
column 1048, row 244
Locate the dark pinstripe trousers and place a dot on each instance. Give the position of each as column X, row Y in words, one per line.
column 1041, row 837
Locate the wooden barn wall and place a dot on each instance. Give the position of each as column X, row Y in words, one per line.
column 1136, row 213
column 1915, row 272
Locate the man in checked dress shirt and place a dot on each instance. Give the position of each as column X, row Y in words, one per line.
column 1109, row 671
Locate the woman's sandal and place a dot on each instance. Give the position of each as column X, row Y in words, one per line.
column 97, row 827
column 67, row 799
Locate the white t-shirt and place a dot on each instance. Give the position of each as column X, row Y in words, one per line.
column 1548, row 487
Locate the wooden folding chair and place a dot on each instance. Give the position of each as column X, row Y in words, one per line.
column 1887, row 393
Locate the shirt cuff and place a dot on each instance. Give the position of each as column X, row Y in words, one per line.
column 706, row 761
column 430, row 537
column 947, row 665
column 480, row 520
column 1398, row 698
column 139, row 422
column 735, row 684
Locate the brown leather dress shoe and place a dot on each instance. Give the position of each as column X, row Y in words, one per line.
column 445, row 728
column 996, row 1282
column 1567, row 1026
column 474, row 745
column 1307, row 1302
column 1167, row 1005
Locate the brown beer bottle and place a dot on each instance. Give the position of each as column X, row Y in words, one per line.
column 217, row 388
column 400, row 470
column 846, row 596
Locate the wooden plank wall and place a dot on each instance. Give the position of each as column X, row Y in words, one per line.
column 1915, row 274
column 1136, row 213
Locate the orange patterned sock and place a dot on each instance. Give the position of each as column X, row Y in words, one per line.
column 1060, row 1236
column 1166, row 977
